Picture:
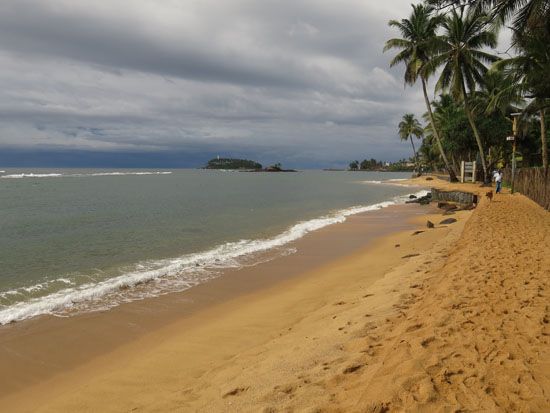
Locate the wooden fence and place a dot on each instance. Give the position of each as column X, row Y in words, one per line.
column 533, row 183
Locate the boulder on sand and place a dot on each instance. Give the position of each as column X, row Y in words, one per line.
column 446, row 206
column 448, row 221
column 423, row 200
column 430, row 224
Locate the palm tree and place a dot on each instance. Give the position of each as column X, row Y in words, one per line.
column 523, row 13
column 408, row 127
column 461, row 54
column 417, row 45
column 530, row 74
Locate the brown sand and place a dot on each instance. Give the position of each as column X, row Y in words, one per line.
column 458, row 322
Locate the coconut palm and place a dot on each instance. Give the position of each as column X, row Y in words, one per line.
column 530, row 74
column 417, row 46
column 409, row 127
column 523, row 13
column 461, row 54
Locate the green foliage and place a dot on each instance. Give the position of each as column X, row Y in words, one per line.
column 472, row 119
column 354, row 165
column 371, row 165
column 417, row 43
column 374, row 165
column 410, row 126
column 230, row 163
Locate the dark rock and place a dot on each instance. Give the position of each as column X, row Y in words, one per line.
column 429, row 178
column 410, row 255
column 446, row 206
column 448, row 221
column 430, row 224
column 412, row 196
column 417, row 232
column 397, row 245
column 423, row 200
column 235, row 391
column 352, row 369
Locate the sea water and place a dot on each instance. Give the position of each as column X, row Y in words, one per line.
column 75, row 240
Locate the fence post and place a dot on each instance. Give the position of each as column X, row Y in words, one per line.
column 462, row 171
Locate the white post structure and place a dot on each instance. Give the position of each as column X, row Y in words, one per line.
column 467, row 171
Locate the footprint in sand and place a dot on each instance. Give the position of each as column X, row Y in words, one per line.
column 236, row 391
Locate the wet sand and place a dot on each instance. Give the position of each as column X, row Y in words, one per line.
column 454, row 318
column 39, row 349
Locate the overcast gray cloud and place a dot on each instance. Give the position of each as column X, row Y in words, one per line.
column 298, row 81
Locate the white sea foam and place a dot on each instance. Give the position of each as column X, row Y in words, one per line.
column 175, row 274
column 56, row 175
column 31, row 175
column 394, row 182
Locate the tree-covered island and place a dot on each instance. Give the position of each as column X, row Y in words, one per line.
column 232, row 163
column 244, row 165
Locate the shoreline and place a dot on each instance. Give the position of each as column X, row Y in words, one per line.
column 441, row 320
column 36, row 349
column 137, row 284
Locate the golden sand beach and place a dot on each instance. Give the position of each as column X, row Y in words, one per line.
column 453, row 318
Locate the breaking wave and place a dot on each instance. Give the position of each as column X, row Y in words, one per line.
column 58, row 175
column 153, row 278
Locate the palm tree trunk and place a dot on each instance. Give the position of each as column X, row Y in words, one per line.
column 452, row 173
column 544, row 142
column 476, row 134
column 414, row 153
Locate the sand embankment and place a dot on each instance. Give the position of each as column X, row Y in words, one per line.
column 452, row 318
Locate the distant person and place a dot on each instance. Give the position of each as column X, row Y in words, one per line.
column 497, row 176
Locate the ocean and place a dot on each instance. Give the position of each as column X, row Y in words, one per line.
column 74, row 240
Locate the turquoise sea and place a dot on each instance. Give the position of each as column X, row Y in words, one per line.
column 76, row 240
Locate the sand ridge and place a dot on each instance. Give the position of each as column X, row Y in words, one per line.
column 477, row 336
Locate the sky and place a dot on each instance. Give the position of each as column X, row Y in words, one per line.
column 173, row 83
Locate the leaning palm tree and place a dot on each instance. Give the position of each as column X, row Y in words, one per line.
column 417, row 46
column 461, row 54
column 409, row 127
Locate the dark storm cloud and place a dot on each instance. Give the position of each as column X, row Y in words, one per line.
column 299, row 80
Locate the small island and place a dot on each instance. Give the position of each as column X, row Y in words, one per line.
column 233, row 163
column 243, row 165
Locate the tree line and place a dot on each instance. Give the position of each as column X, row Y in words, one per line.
column 374, row 165
column 479, row 91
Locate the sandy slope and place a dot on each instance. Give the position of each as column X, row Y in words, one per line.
column 477, row 335
column 471, row 333
column 459, row 322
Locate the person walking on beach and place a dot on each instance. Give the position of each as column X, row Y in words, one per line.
column 498, row 179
